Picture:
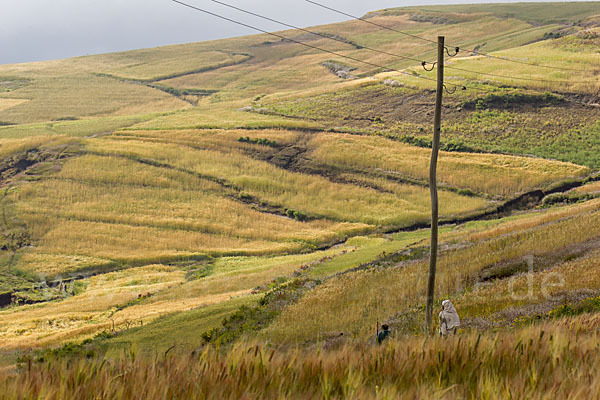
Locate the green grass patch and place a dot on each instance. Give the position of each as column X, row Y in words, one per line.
column 249, row 320
column 184, row 329
column 72, row 127
column 368, row 249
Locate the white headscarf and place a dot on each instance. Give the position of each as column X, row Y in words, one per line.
column 449, row 315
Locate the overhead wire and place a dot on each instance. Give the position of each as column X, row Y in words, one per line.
column 520, row 78
column 422, row 62
column 370, row 22
column 387, row 69
column 325, row 36
column 474, row 51
column 455, row 87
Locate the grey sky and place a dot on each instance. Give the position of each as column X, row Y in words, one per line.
column 34, row 30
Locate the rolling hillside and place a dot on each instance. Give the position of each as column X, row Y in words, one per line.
column 262, row 196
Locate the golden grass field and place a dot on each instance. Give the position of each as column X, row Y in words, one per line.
column 238, row 186
column 482, row 173
column 96, row 196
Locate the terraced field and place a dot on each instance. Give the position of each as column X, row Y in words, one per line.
column 162, row 201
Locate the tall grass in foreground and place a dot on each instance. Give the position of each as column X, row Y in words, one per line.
column 541, row 362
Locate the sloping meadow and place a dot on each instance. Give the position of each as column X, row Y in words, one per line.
column 352, row 303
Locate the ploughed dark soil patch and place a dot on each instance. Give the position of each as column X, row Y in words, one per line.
column 375, row 104
column 362, row 107
column 381, row 105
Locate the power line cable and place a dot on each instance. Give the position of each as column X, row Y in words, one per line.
column 379, row 67
column 474, row 51
column 318, row 33
column 319, row 48
column 370, row 22
column 513, row 77
column 423, row 63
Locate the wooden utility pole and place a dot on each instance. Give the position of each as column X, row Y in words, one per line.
column 435, row 148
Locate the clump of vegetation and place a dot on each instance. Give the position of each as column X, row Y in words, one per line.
column 456, row 146
column 566, row 198
column 415, row 141
column 553, row 35
column 431, row 18
column 69, row 350
column 34, row 296
column 244, row 321
column 183, row 92
column 466, row 192
column 297, row 215
column 512, row 100
column 199, row 272
column 248, row 320
column 8, row 83
column 67, row 118
column 14, row 240
column 590, row 305
column 259, row 141
column 78, row 288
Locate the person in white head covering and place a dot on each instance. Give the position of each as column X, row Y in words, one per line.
column 449, row 321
